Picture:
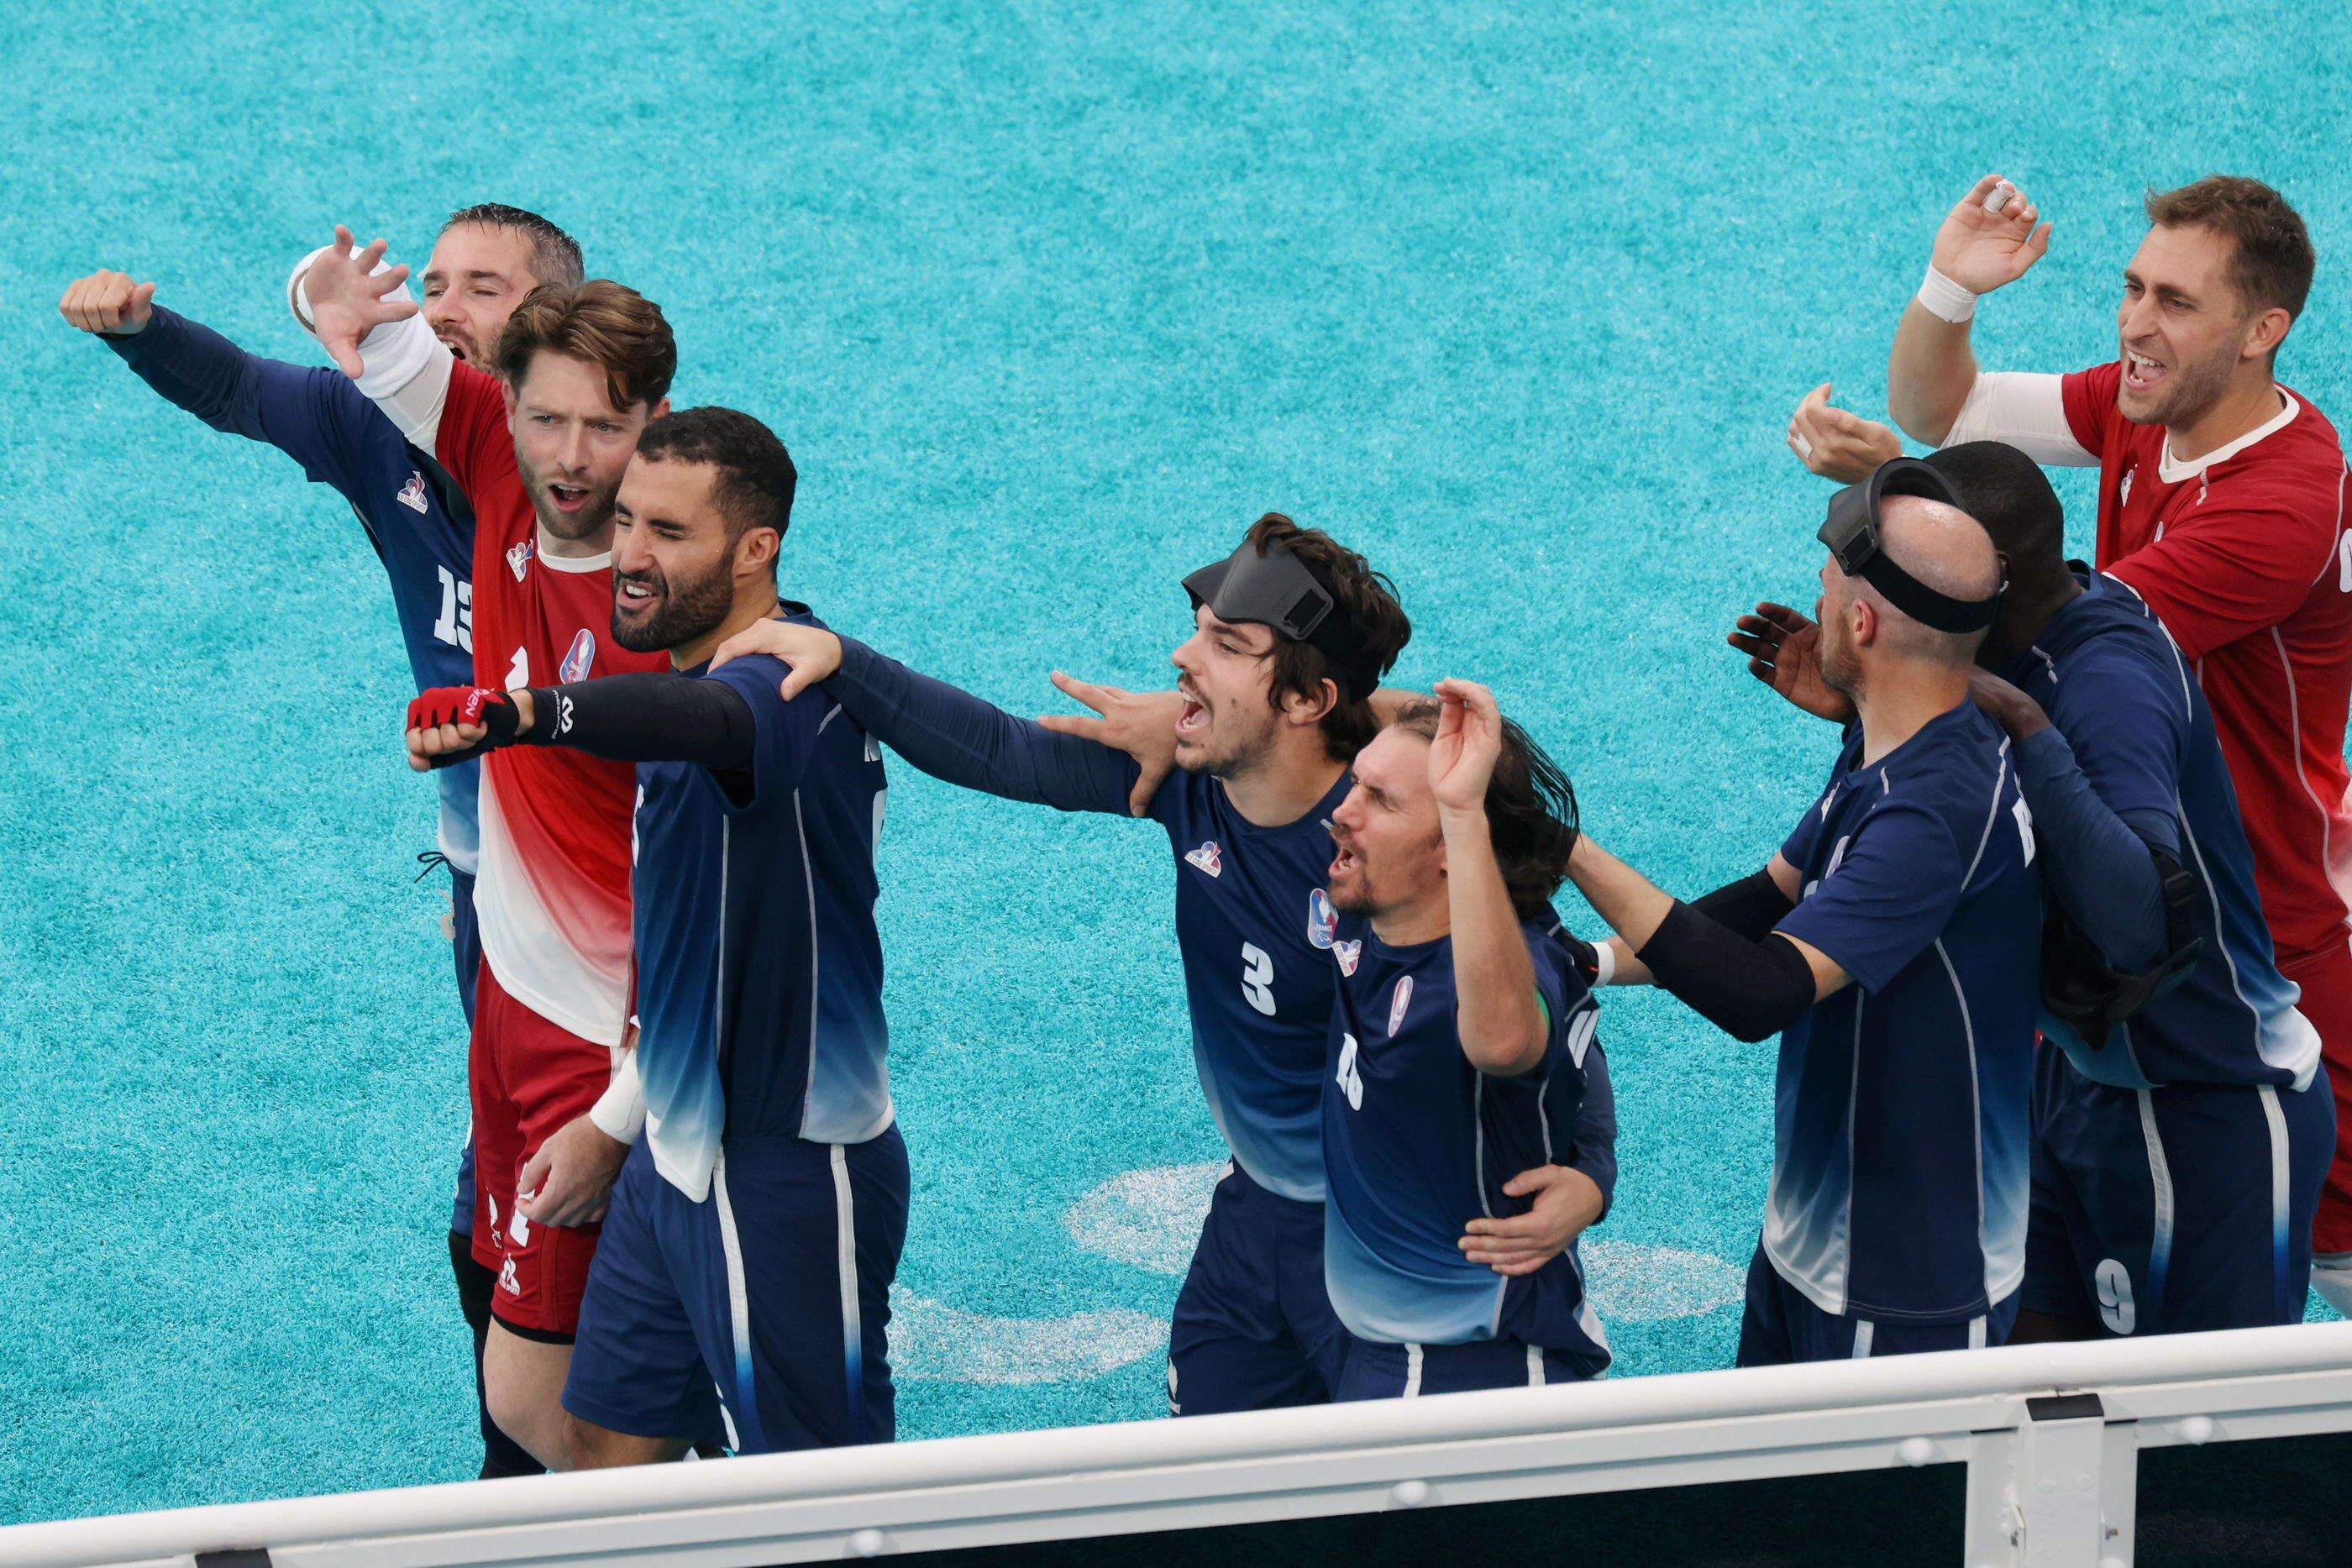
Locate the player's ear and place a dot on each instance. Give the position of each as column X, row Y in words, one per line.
column 1862, row 622
column 2265, row 333
column 1305, row 710
column 756, row 550
column 507, row 392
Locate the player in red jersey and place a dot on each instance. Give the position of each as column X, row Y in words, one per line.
column 539, row 450
column 2221, row 501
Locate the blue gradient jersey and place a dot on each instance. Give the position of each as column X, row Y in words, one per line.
column 1900, row 1168
column 1418, row 1143
column 759, row 968
column 414, row 514
column 2115, row 686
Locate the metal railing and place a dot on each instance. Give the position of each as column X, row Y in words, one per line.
column 2050, row 1434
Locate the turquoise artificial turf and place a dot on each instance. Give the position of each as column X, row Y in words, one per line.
column 1049, row 301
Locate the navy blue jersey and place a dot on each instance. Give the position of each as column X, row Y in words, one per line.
column 414, row 514
column 1418, row 1143
column 1253, row 920
column 1255, row 928
column 2117, row 686
column 759, row 968
column 1900, row 1170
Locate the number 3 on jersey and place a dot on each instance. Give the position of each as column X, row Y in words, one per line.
column 1257, row 978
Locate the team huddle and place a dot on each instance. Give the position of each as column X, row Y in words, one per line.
column 2059, row 960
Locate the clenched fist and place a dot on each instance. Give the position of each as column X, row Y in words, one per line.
column 110, row 302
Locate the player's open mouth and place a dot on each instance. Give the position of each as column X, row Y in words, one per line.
column 568, row 497
column 634, row 595
column 2140, row 372
column 1344, row 862
column 1194, row 717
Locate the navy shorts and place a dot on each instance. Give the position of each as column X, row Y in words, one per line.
column 1253, row 1327
column 466, row 947
column 766, row 1304
column 1780, row 1324
column 1379, row 1371
column 2174, row 1209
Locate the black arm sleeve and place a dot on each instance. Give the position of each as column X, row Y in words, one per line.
column 647, row 717
column 956, row 737
column 1750, row 990
column 1750, row 907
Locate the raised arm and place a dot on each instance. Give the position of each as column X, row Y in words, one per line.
column 1498, row 1012
column 948, row 733
column 644, row 716
column 309, row 412
column 1989, row 239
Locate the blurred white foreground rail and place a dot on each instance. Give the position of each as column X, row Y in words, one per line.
column 2051, row 1435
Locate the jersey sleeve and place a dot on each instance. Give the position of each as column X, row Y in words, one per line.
column 1887, row 899
column 313, row 414
column 962, row 739
column 2242, row 560
column 784, row 734
column 2090, row 403
column 2025, row 410
column 473, row 442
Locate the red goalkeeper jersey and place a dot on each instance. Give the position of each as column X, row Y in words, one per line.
column 2243, row 555
column 553, row 889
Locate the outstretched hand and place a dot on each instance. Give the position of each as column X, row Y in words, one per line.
column 1469, row 742
column 1783, row 650
column 1141, row 724
column 1836, row 444
column 1981, row 249
column 810, row 654
column 108, row 302
column 349, row 298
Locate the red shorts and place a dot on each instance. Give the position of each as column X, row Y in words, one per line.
column 2327, row 980
column 528, row 1078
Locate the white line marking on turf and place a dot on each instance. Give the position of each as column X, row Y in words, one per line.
column 932, row 1341
column 1150, row 1218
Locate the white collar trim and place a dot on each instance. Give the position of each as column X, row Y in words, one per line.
column 2172, row 472
column 570, row 562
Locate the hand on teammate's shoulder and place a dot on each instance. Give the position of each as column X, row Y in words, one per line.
column 113, row 303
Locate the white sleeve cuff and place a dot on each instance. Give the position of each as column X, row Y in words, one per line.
column 620, row 1111
column 1604, row 963
column 394, row 353
column 2025, row 409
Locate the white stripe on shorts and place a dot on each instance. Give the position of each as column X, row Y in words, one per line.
column 1534, row 1366
column 1862, row 1329
column 1413, row 1372
column 845, row 1230
column 1977, row 1327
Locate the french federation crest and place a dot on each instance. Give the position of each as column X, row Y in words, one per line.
column 1322, row 920
column 582, row 655
column 412, row 495
column 519, row 559
column 1208, row 857
column 1403, row 1000
column 1348, row 953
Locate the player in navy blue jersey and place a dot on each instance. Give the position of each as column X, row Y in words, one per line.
column 1893, row 944
column 2179, row 1148
column 414, row 517
column 1461, row 1050
column 756, row 1227
column 1290, row 635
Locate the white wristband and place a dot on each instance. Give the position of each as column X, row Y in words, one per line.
column 1944, row 298
column 1604, row 964
column 620, row 1111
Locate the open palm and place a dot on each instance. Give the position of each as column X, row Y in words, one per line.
column 1981, row 250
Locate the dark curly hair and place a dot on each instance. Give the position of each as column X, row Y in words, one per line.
column 1530, row 810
